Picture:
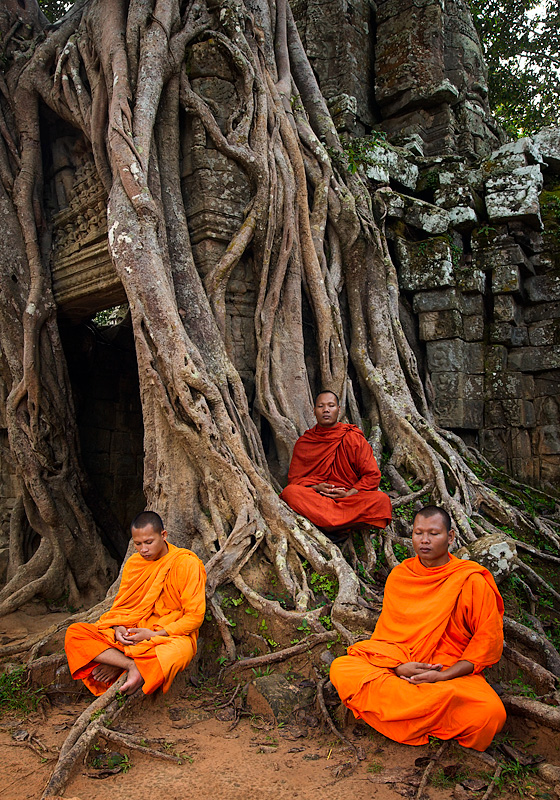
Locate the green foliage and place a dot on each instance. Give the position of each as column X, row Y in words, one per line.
column 16, row 695
column 516, row 778
column 54, row 9
column 358, row 151
column 520, row 687
column 521, row 42
column 326, row 622
column 232, row 601
column 259, row 672
column 324, row 584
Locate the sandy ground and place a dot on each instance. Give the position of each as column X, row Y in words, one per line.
column 255, row 761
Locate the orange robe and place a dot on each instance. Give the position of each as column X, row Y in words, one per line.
column 342, row 456
column 167, row 594
column 438, row 615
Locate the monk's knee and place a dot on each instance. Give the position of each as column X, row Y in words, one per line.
column 495, row 713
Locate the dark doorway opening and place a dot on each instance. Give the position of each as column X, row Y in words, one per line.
column 104, row 377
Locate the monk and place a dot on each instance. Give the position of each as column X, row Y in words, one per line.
column 152, row 628
column 441, row 624
column 333, row 475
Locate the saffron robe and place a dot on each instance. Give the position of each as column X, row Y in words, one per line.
column 166, row 594
column 439, row 615
column 339, row 455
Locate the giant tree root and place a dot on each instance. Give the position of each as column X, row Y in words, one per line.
column 546, row 715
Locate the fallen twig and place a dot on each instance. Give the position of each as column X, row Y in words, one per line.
column 429, row 768
column 327, row 717
column 493, row 782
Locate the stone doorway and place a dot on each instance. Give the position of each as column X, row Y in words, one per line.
column 104, row 376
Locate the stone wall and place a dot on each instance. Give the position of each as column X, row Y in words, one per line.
column 411, row 68
column 479, row 270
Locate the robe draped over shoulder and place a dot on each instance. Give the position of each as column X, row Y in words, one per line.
column 438, row 615
column 168, row 595
column 339, row 455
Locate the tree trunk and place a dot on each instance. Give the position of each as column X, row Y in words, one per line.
column 121, row 74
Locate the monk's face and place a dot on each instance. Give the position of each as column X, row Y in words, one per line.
column 326, row 410
column 431, row 540
column 149, row 543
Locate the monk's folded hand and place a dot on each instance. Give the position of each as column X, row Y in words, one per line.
column 121, row 635
column 137, row 635
column 414, row 668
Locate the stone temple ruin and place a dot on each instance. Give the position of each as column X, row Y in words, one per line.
column 473, row 224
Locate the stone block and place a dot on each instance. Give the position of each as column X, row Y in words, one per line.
column 440, row 325
column 505, row 333
column 515, row 195
column 426, row 217
column 509, row 385
column 496, row 360
column 534, row 359
column 514, row 154
column 98, row 463
column 548, row 410
column 473, row 328
column 424, row 265
column 548, row 142
column 494, row 443
column 549, row 440
column 515, row 412
column 544, row 333
column 541, row 311
column 455, row 355
column 472, row 304
column 123, row 464
column 543, row 288
column 95, row 440
column 438, row 300
column 470, row 279
column 547, row 384
column 459, row 400
column 384, row 163
column 506, row 309
column 506, row 278
column 272, row 696
column 462, row 218
column 521, row 444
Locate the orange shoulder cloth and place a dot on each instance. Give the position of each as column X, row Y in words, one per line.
column 141, row 585
column 417, row 605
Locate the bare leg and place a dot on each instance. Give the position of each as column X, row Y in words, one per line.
column 114, row 658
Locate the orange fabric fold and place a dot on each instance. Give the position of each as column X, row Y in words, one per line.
column 339, row 455
column 438, row 615
column 168, row 595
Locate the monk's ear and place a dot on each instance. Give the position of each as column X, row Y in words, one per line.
column 450, row 538
column 164, row 535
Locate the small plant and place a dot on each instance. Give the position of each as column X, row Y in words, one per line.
column 375, row 767
column 232, row 601
column 260, row 672
column 15, row 693
column 221, row 660
column 326, row 622
column 515, row 778
column 252, row 612
column 324, row 584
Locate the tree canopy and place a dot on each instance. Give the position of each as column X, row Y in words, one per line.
column 521, row 43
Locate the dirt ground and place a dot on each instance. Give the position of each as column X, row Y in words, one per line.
column 256, row 760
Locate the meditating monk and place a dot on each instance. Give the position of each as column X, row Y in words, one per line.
column 420, row 673
column 152, row 628
column 333, row 475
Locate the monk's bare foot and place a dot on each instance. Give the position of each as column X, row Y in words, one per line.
column 105, row 673
column 133, row 682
